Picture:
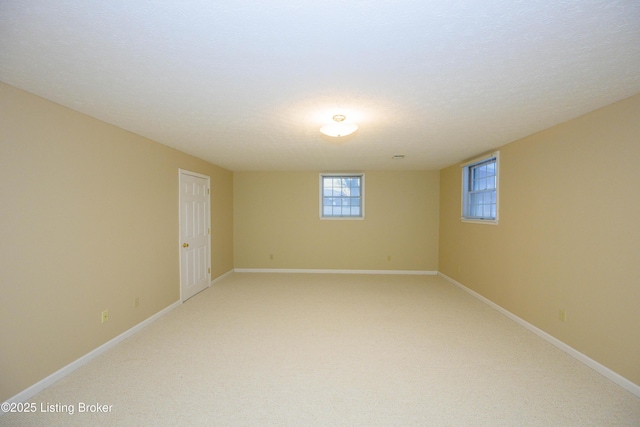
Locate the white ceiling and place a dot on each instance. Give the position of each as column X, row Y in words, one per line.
column 246, row 84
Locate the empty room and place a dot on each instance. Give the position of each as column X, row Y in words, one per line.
column 361, row 213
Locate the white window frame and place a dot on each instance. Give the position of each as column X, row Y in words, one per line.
column 343, row 175
column 466, row 175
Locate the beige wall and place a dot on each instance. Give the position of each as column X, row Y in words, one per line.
column 89, row 221
column 278, row 213
column 568, row 238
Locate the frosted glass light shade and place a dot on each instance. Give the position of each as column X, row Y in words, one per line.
column 339, row 128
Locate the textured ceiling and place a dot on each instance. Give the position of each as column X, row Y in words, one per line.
column 247, row 84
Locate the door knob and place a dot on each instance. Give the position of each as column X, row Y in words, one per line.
column 185, row 245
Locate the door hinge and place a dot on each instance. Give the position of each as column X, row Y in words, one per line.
column 208, row 231
column 208, row 191
column 209, row 270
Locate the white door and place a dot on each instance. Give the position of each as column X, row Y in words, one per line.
column 195, row 231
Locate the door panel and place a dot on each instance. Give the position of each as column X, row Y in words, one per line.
column 195, row 243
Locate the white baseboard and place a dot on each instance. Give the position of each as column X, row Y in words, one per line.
column 601, row 369
column 219, row 278
column 66, row 370
column 330, row 271
column 62, row 372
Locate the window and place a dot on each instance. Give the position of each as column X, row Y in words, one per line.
column 342, row 196
column 480, row 190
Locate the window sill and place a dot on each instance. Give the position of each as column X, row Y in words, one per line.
column 348, row 218
column 480, row 221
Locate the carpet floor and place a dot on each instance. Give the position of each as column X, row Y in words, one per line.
column 333, row 350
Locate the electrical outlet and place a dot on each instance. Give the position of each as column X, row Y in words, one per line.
column 105, row 316
column 136, row 302
column 562, row 315
column 271, row 257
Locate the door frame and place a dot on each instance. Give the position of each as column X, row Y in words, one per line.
column 182, row 172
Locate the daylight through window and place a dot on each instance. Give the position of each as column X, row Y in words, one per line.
column 342, row 196
column 480, row 190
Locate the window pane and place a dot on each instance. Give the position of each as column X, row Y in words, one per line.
column 480, row 190
column 340, row 195
column 480, row 184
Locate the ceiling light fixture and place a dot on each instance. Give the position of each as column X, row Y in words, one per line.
column 339, row 128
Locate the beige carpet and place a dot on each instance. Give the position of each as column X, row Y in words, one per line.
column 335, row 350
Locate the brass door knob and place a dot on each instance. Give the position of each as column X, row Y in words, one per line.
column 185, row 245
